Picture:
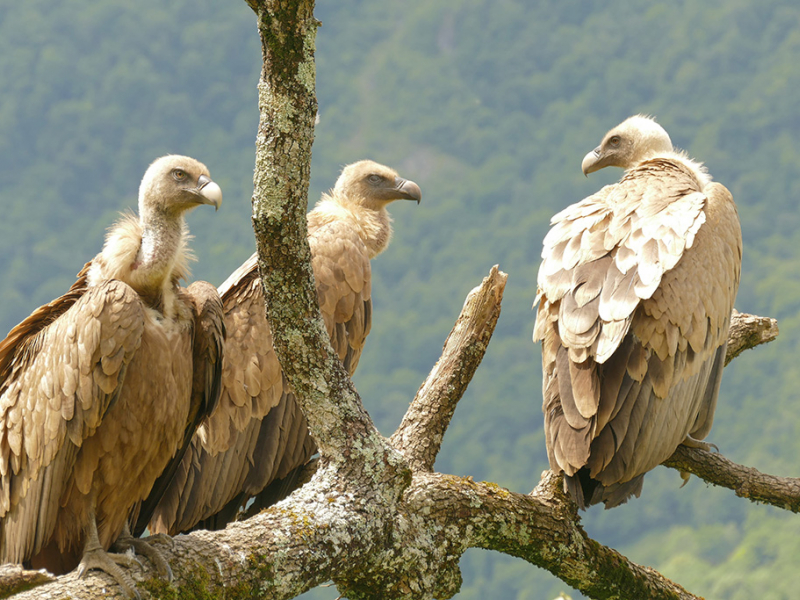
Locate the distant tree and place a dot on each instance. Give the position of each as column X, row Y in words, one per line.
column 374, row 517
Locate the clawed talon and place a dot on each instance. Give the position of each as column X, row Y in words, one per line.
column 690, row 442
column 99, row 559
column 94, row 557
column 161, row 538
column 127, row 542
column 685, row 475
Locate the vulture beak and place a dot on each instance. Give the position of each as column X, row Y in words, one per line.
column 208, row 192
column 407, row 190
column 591, row 162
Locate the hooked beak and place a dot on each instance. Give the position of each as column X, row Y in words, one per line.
column 592, row 162
column 208, row 192
column 407, row 190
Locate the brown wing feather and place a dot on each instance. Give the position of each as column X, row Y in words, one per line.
column 207, row 352
column 65, row 373
column 258, row 433
column 632, row 327
column 38, row 320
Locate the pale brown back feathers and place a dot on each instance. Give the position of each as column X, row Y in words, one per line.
column 258, row 434
column 636, row 289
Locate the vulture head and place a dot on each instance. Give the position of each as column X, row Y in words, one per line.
column 175, row 184
column 629, row 143
column 150, row 252
column 373, row 185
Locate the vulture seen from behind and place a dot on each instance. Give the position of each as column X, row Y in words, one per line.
column 635, row 293
column 98, row 388
column 255, row 443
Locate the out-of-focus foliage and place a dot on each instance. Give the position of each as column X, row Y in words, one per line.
column 489, row 105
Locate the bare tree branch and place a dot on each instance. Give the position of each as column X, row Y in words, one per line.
column 542, row 528
column 420, row 435
column 749, row 331
column 288, row 106
column 747, row 482
column 15, row 579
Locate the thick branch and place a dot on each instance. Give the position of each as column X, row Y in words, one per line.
column 288, row 106
column 15, row 579
column 747, row 482
column 542, row 528
column 278, row 554
column 420, row 435
column 749, row 331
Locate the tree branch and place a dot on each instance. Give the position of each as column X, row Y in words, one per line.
column 288, row 106
column 420, row 435
column 747, row 482
column 542, row 528
column 749, row 331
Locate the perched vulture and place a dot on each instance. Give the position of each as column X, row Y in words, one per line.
column 98, row 388
column 635, row 294
column 257, row 438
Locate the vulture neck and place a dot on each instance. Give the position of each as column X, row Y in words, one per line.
column 368, row 217
column 149, row 254
column 162, row 240
column 697, row 168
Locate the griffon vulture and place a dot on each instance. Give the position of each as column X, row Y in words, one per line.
column 96, row 388
column 635, row 294
column 258, row 435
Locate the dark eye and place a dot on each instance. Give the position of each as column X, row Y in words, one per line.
column 374, row 178
column 179, row 174
column 614, row 140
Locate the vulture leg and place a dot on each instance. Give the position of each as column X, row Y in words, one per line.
column 94, row 557
column 126, row 542
column 690, row 442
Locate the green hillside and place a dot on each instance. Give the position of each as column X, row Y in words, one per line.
column 490, row 106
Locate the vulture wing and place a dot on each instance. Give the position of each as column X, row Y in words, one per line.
column 258, row 434
column 63, row 368
column 636, row 289
column 207, row 348
column 38, row 320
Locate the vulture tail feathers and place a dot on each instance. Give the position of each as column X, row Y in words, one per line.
column 586, row 491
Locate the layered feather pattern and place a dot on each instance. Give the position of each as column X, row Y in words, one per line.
column 635, row 292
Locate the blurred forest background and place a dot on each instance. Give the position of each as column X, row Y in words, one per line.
column 489, row 105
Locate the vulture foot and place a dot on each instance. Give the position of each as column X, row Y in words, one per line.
column 97, row 558
column 690, row 442
column 144, row 547
column 161, row 538
column 94, row 557
column 685, row 475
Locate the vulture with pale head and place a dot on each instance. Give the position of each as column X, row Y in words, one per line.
column 99, row 387
column 635, row 293
column 256, row 441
